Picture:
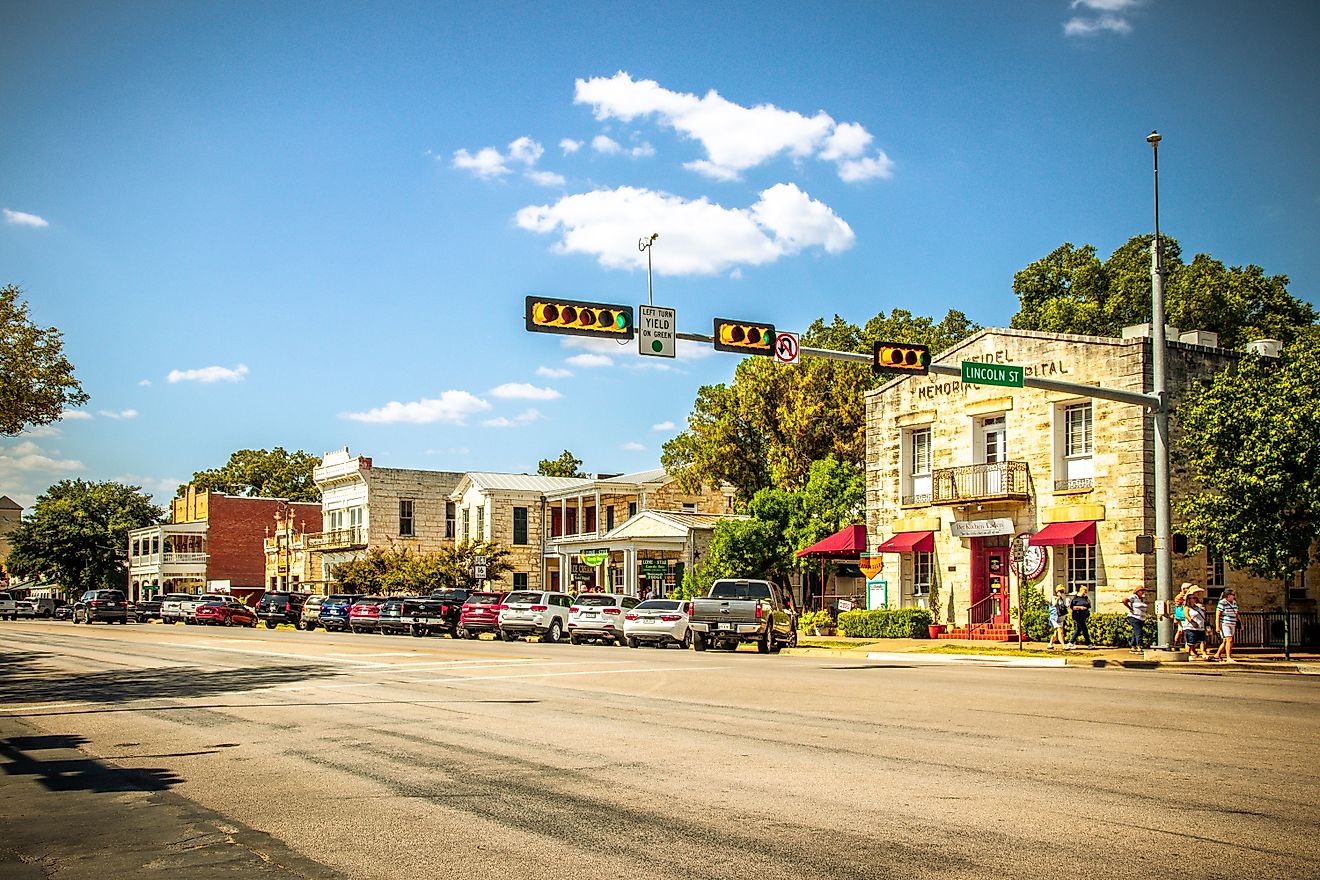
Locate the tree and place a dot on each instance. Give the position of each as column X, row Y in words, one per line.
column 36, row 379
column 261, row 473
column 77, row 534
column 768, row 426
column 1071, row 291
column 1252, row 439
column 459, row 563
column 401, row 570
column 566, row 465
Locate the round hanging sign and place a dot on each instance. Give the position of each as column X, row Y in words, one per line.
column 1028, row 561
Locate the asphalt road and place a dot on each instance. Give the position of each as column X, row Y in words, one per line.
column 196, row 752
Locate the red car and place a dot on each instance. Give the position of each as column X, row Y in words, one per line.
column 481, row 613
column 364, row 615
column 225, row 614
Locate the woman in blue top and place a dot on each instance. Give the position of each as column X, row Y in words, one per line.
column 1058, row 616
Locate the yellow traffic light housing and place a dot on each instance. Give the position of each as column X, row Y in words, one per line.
column 578, row 318
column 744, row 337
column 894, row 357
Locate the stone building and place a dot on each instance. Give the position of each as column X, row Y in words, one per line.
column 290, row 565
column 960, row 474
column 364, row 507
column 11, row 514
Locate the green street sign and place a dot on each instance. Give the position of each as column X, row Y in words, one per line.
column 976, row 373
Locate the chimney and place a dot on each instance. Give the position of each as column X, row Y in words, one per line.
column 1269, row 348
column 1207, row 338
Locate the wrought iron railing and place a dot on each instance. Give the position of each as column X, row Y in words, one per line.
column 337, row 538
column 914, row 500
column 981, row 482
column 1074, row 485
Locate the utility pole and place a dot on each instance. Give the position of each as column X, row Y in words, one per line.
column 1160, row 379
column 644, row 244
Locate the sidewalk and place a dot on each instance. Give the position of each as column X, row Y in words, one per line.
column 1304, row 661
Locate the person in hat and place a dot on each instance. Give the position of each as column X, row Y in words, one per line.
column 1179, row 612
column 1058, row 616
column 1136, row 614
column 1194, row 624
column 1226, row 617
column 1080, row 606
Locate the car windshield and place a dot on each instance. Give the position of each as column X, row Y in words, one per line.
column 597, row 600
column 740, row 590
column 483, row 598
column 659, row 605
column 522, row 598
column 342, row 597
column 370, row 601
column 449, row 595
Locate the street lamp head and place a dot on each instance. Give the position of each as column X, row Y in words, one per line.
column 1153, row 138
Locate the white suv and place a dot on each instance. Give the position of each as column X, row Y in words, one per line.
column 528, row 612
column 8, row 607
column 599, row 616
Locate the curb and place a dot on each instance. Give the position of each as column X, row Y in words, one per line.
column 970, row 660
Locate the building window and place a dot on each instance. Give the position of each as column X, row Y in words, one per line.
column 689, row 508
column 916, row 461
column 520, row 525
column 336, row 520
column 632, row 509
column 406, row 518
column 520, row 580
column 991, row 440
column 1215, row 575
column 923, row 571
column 449, row 520
column 481, row 523
column 1074, row 448
column 1081, row 567
column 467, row 524
column 1077, row 429
column 609, row 519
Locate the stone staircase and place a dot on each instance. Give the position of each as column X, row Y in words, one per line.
column 983, row 632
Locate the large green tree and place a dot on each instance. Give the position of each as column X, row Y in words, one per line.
column 400, row 570
column 1252, row 439
column 77, row 534
column 566, row 465
column 36, row 379
column 273, row 473
column 767, row 427
column 1072, row 291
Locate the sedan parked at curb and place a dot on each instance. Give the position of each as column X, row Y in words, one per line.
column 534, row 612
column 364, row 614
column 659, row 622
column 334, row 611
column 392, row 621
column 188, row 607
column 225, row 614
column 599, row 617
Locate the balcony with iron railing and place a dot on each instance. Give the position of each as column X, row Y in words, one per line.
column 995, row 481
column 352, row 538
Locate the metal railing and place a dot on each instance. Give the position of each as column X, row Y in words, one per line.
column 1074, row 485
column 355, row 536
column 1264, row 629
column 981, row 482
column 985, row 610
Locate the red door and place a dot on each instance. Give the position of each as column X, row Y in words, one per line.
column 996, row 575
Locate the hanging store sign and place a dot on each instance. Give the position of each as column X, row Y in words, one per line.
column 981, row 528
column 656, row 568
column 594, row 557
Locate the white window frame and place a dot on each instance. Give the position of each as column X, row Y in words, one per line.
column 917, row 464
column 1074, row 445
column 923, row 574
column 1080, row 567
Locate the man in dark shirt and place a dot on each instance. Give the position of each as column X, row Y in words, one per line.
column 1080, row 607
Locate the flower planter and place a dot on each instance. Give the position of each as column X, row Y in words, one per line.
column 936, row 630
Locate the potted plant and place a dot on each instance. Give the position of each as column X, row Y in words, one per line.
column 936, row 627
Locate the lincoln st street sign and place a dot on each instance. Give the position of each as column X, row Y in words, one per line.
column 976, row 373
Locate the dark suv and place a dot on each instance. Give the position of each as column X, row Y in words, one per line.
column 107, row 605
column 277, row 608
column 334, row 611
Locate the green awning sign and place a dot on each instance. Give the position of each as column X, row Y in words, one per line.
column 976, row 373
column 594, row 557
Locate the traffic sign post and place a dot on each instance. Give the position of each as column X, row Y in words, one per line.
column 787, row 348
column 656, row 331
column 977, row 373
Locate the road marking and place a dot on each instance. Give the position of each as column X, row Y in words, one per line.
column 306, row 657
column 552, row 674
column 20, row 708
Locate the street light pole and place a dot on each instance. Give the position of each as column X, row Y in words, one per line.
column 644, row 244
column 1160, row 377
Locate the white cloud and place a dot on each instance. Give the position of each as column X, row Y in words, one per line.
column 118, row 414
column 607, row 145
column 75, row 415
column 161, row 488
column 1106, row 21
column 27, row 457
column 207, row 375
column 700, row 237
column 41, row 431
column 22, row 218
column 489, row 163
column 570, row 146
column 591, row 361
column 632, row 446
column 553, row 372
column 663, row 426
column 451, row 407
column 518, row 421
column 545, row 178
column 1106, row 5
column 144, row 383
column 526, row 151
column 734, row 137
column 524, row 391
column 485, row 163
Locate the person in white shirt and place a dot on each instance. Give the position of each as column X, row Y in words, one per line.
column 1136, row 614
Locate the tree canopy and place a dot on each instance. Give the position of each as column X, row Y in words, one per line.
column 77, row 534
column 1252, row 439
column 400, row 570
column 769, row 425
column 36, row 379
column 566, row 465
column 260, row 473
column 1072, row 291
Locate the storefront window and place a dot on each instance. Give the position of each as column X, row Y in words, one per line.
column 923, row 570
column 1081, row 566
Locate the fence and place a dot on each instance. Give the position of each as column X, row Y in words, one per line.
column 1264, row 629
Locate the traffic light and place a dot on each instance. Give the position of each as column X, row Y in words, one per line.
column 896, row 357
column 744, row 337
column 577, row 318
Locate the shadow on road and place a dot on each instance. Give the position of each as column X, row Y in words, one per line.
column 79, row 773
column 26, row 678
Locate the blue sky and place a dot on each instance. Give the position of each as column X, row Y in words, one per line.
column 314, row 225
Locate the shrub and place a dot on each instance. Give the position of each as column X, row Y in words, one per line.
column 1114, row 631
column 810, row 620
column 892, row 623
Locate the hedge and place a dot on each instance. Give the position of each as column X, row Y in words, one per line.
column 894, row 623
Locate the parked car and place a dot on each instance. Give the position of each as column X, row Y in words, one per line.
column 436, row 613
column 658, row 622
column 25, row 608
column 480, row 613
column 8, row 607
column 281, row 607
column 364, row 614
column 311, row 613
column 107, row 605
column 188, row 607
column 225, row 614
column 743, row 610
column 46, row 605
column 392, row 620
column 599, row 617
column 534, row 612
column 334, row 611
column 154, row 606
column 171, row 606
column 63, row 612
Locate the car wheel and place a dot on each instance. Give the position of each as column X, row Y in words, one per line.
column 792, row 639
column 687, row 640
column 698, row 641
column 554, row 633
column 309, row 626
column 508, row 636
column 766, row 643
column 460, row 633
column 573, row 639
column 270, row 624
column 75, row 617
column 632, row 643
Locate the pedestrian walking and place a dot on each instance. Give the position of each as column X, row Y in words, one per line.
column 1058, row 617
column 1194, row 625
column 1136, row 615
column 1179, row 613
column 1226, row 618
column 1080, row 606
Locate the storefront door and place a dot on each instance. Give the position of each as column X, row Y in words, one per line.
column 990, row 590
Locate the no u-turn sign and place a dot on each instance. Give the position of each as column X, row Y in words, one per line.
column 786, row 347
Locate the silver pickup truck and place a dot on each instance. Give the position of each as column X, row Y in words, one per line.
column 743, row 610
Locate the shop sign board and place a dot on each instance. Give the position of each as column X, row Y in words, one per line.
column 594, row 557
column 981, row 528
column 877, row 594
column 655, row 567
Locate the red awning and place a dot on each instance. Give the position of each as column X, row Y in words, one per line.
column 909, row 542
column 1062, row 533
column 847, row 543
